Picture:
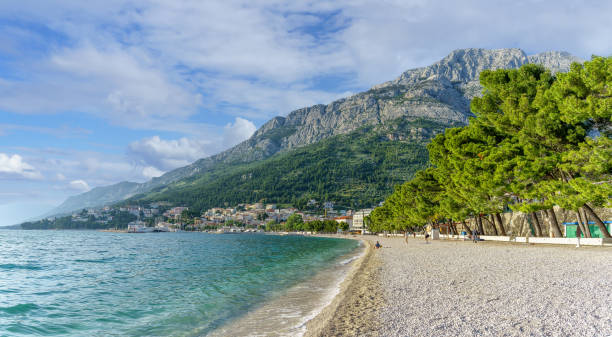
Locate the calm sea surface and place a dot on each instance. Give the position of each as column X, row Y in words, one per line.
column 85, row 283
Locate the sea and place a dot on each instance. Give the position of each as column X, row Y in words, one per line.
column 89, row 283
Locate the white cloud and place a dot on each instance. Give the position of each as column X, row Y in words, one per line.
column 156, row 155
column 145, row 64
column 240, row 130
column 167, row 65
column 165, row 155
column 95, row 168
column 119, row 84
column 151, row 172
column 79, row 185
column 15, row 166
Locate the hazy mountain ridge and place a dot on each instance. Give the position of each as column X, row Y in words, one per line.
column 440, row 92
column 97, row 196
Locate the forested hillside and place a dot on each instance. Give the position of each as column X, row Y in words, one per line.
column 538, row 141
column 441, row 91
column 357, row 169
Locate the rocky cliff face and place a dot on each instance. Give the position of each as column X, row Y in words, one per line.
column 441, row 92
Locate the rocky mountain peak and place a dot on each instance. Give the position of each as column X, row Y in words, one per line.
column 440, row 92
column 275, row 122
column 556, row 61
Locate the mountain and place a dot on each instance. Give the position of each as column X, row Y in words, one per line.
column 97, row 197
column 357, row 169
column 440, row 92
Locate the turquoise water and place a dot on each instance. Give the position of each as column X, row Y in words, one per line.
column 82, row 283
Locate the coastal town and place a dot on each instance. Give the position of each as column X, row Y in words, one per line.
column 317, row 218
column 163, row 217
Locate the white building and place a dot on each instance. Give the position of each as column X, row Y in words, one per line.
column 358, row 220
column 346, row 219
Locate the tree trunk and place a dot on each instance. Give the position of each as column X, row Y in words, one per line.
column 585, row 222
column 500, row 223
column 600, row 224
column 552, row 217
column 536, row 224
column 454, row 228
column 520, row 231
column 493, row 225
column 480, row 227
column 580, row 224
column 465, row 225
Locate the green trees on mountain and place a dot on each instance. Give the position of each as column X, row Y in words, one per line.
column 353, row 170
column 536, row 141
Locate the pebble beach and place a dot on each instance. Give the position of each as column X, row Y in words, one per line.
column 459, row 288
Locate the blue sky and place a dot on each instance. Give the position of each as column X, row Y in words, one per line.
column 94, row 93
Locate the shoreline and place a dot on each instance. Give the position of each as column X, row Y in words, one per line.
column 354, row 309
column 289, row 311
column 461, row 288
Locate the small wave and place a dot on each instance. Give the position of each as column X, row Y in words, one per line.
column 349, row 260
column 19, row 308
column 93, row 260
column 10, row 266
column 352, row 258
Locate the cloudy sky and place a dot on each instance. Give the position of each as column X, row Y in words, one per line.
column 97, row 92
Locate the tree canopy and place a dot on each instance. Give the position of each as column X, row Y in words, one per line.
column 536, row 140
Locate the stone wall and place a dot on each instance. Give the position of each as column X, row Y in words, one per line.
column 516, row 223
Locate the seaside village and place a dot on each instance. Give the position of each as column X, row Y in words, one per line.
column 256, row 217
column 322, row 217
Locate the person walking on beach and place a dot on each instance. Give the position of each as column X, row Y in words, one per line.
column 475, row 235
column 426, row 238
column 578, row 234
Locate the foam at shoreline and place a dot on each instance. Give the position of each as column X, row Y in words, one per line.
column 289, row 313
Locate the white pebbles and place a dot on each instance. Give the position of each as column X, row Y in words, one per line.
column 456, row 288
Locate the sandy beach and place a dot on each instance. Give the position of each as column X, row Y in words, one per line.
column 457, row 288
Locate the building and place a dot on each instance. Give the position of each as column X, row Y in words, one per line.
column 175, row 212
column 358, row 220
column 347, row 219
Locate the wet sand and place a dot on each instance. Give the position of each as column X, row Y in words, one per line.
column 457, row 288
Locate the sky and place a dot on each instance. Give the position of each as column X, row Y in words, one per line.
column 97, row 92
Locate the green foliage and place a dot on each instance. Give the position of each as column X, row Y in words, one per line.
column 527, row 147
column 343, row 226
column 294, row 223
column 413, row 204
column 353, row 170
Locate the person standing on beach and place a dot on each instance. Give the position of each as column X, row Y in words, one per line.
column 406, row 237
column 578, row 234
column 475, row 235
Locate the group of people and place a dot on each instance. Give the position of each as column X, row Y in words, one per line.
column 378, row 245
column 414, row 236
